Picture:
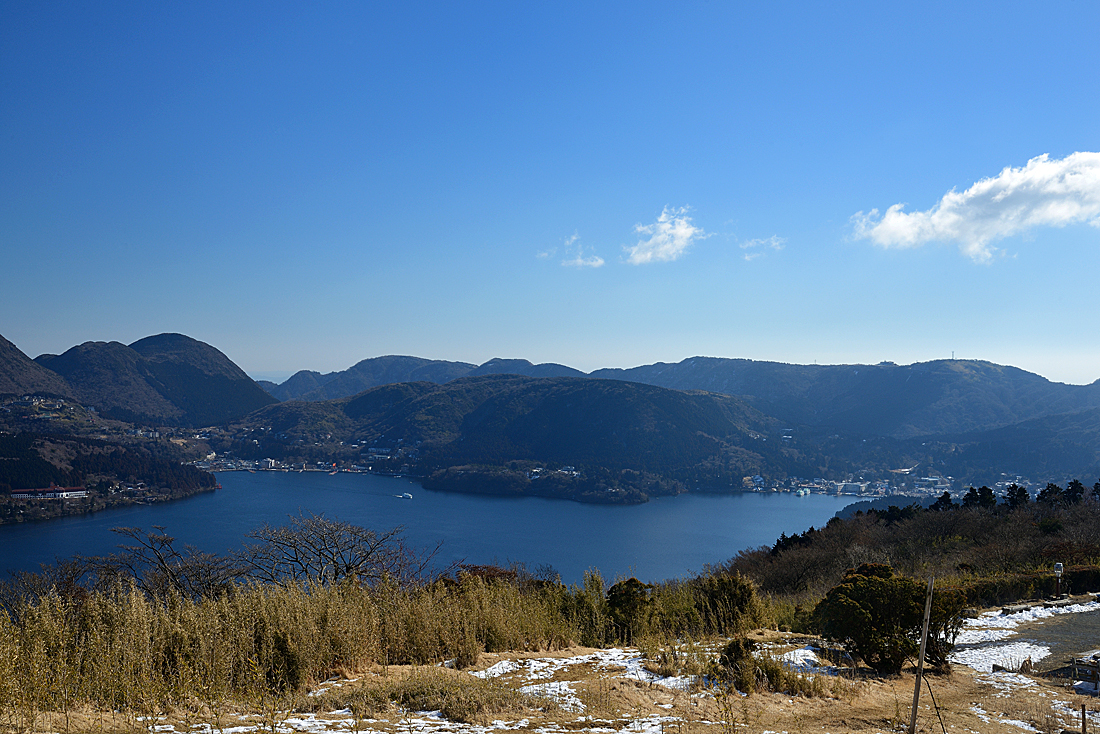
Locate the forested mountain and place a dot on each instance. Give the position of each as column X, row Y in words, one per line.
column 310, row 385
column 33, row 461
column 901, row 401
column 297, row 385
column 970, row 419
column 692, row 438
column 168, row 379
column 946, row 396
column 499, row 420
column 1051, row 446
column 20, row 375
column 523, row 367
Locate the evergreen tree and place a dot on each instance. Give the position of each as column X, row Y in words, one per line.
column 1052, row 494
column 1075, row 491
column 980, row 497
column 1016, row 496
column 944, row 503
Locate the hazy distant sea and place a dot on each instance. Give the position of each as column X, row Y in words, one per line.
column 667, row 537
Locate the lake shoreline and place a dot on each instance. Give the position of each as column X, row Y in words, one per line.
column 666, row 537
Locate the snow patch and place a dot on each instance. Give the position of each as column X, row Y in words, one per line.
column 1009, row 655
column 502, row 668
column 560, row 691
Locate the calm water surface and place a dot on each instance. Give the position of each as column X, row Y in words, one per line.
column 665, row 538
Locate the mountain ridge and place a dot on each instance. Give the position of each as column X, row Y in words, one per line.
column 627, row 440
column 166, row 379
column 21, row 375
column 902, row 401
column 966, row 417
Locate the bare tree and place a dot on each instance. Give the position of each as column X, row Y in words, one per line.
column 72, row 579
column 327, row 551
column 157, row 566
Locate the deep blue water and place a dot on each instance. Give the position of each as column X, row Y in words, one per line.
column 667, row 537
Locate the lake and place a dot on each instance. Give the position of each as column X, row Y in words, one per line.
column 668, row 537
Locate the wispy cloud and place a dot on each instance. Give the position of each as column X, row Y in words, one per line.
column 593, row 261
column 1044, row 193
column 666, row 239
column 579, row 260
column 754, row 248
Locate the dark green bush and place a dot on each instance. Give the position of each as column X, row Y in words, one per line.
column 879, row 616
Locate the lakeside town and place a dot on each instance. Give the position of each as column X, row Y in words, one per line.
column 401, row 460
column 387, row 462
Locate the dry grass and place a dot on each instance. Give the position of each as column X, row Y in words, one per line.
column 457, row 696
column 388, row 699
column 127, row 651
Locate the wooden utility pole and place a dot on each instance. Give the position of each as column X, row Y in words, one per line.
column 920, row 660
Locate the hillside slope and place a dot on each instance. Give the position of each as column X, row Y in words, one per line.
column 509, row 421
column 383, row 371
column 166, row 379
column 20, row 375
column 946, row 396
column 311, row 385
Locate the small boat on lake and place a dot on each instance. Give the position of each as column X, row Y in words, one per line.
column 404, row 496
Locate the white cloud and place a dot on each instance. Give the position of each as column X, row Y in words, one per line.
column 1045, row 192
column 579, row 261
column 667, row 239
column 754, row 246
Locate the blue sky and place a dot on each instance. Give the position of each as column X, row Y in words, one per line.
column 304, row 186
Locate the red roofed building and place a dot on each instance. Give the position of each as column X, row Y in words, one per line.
column 53, row 492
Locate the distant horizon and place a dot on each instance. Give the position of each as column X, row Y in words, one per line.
column 280, row 376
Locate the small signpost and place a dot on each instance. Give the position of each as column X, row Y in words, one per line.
column 1058, row 582
column 920, row 659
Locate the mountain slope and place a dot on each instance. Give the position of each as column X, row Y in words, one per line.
column 496, row 419
column 114, row 379
column 947, row 396
column 20, row 375
column 383, row 371
column 197, row 378
column 1051, row 446
column 168, row 378
column 497, row 366
column 310, row 385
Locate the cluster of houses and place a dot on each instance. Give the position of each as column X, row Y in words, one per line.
column 933, row 485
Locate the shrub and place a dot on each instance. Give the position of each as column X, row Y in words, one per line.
column 878, row 616
column 628, row 604
column 739, row 666
column 728, row 603
column 736, row 664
